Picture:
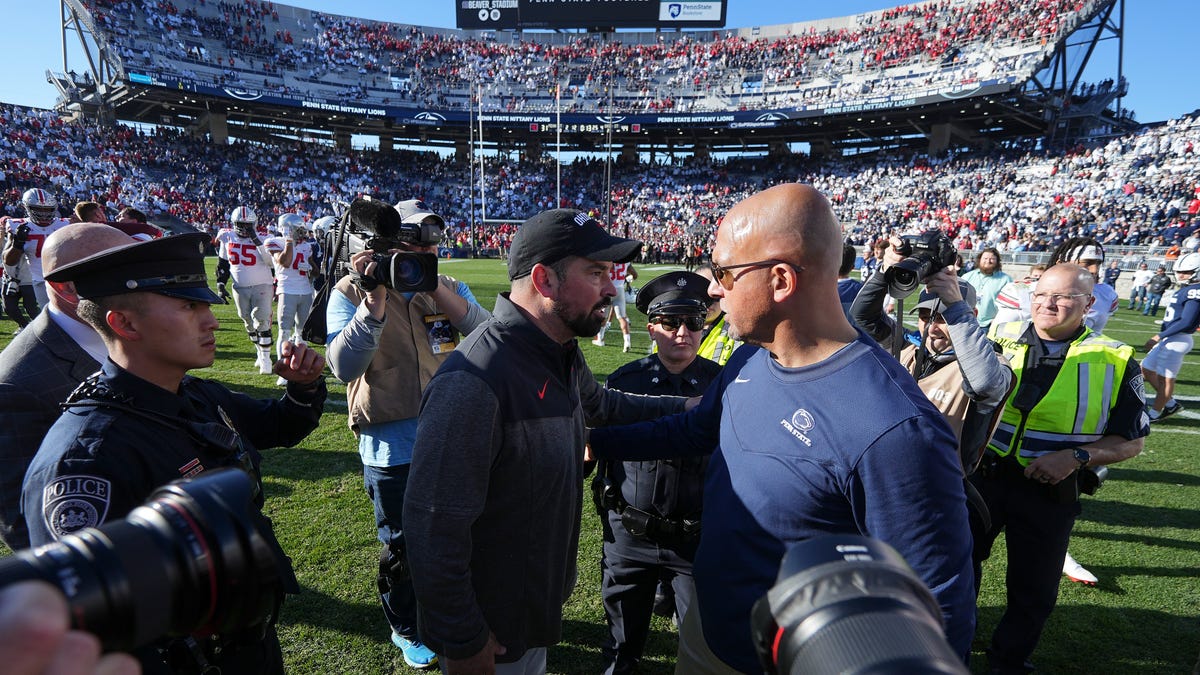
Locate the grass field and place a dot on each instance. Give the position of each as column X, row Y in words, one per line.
column 1140, row 534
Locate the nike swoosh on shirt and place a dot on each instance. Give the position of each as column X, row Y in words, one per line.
column 542, row 393
column 740, row 380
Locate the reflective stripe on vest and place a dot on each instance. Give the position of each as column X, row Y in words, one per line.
column 717, row 345
column 1076, row 409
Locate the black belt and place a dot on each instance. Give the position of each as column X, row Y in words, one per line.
column 643, row 524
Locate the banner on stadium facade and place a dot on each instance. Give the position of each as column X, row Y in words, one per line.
column 576, row 122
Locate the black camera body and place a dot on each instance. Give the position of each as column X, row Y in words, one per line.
column 376, row 226
column 925, row 254
column 198, row 558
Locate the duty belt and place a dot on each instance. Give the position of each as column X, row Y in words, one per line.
column 642, row 524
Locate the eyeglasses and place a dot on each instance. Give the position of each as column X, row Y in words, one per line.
column 724, row 277
column 926, row 316
column 672, row 323
column 1057, row 298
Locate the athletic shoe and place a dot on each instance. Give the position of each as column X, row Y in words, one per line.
column 626, row 348
column 1170, row 410
column 1152, row 413
column 599, row 342
column 280, row 382
column 264, row 363
column 416, row 654
column 1077, row 573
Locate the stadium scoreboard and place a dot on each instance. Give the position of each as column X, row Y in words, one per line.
column 522, row 14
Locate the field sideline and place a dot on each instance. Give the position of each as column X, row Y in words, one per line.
column 1140, row 534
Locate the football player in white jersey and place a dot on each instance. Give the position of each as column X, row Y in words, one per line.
column 26, row 235
column 294, row 267
column 250, row 266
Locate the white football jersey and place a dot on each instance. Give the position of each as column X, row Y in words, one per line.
column 296, row 278
column 35, row 241
column 249, row 265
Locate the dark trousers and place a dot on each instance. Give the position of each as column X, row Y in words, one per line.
column 13, row 303
column 1036, row 529
column 631, row 569
column 386, row 485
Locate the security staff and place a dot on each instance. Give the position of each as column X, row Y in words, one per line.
column 716, row 344
column 651, row 509
column 1078, row 403
column 142, row 422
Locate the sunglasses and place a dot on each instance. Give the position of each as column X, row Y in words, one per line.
column 925, row 315
column 672, row 323
column 725, row 277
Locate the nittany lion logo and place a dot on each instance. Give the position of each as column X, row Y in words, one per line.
column 243, row 95
column 770, row 117
column 675, row 9
column 802, row 420
column 71, row 503
column 426, row 115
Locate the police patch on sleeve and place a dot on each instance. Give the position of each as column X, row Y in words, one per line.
column 72, row 503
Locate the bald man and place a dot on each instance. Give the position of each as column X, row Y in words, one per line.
column 44, row 364
column 814, row 430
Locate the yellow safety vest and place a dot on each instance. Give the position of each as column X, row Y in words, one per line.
column 1075, row 410
column 717, row 345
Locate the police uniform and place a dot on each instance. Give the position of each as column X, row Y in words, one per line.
column 651, row 509
column 1099, row 382
column 120, row 437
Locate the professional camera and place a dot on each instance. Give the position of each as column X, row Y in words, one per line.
column 850, row 604
column 378, row 227
column 198, row 558
column 925, row 254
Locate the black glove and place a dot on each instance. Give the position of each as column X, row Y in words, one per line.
column 21, row 235
column 255, row 240
column 222, row 270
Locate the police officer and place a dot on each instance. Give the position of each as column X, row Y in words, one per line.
column 142, row 421
column 651, row 509
column 1078, row 403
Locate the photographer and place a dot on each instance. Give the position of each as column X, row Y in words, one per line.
column 968, row 395
column 142, row 422
column 386, row 345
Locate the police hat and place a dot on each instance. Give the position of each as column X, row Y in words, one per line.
column 171, row 266
column 933, row 303
column 674, row 293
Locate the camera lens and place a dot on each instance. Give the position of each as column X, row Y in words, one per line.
column 850, row 604
column 903, row 277
column 198, row 558
column 407, row 272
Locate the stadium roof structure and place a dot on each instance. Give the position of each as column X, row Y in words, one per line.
column 843, row 95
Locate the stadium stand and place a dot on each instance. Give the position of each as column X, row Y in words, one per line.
column 263, row 47
column 1137, row 192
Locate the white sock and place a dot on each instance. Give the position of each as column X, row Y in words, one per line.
column 627, row 339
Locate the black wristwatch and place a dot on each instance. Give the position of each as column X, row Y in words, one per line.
column 1082, row 456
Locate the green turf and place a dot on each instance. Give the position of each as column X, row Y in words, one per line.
column 1140, row 534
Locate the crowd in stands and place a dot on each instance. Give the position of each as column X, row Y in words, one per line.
column 253, row 44
column 1138, row 190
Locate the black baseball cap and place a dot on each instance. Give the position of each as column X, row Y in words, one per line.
column 556, row 234
column 171, row 266
column 674, row 293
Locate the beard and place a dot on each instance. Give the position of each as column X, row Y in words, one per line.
column 586, row 324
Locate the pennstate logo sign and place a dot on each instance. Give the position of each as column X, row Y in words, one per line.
column 72, row 503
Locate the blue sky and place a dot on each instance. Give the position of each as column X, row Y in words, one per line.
column 1160, row 43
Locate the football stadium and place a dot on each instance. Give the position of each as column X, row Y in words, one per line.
column 986, row 126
